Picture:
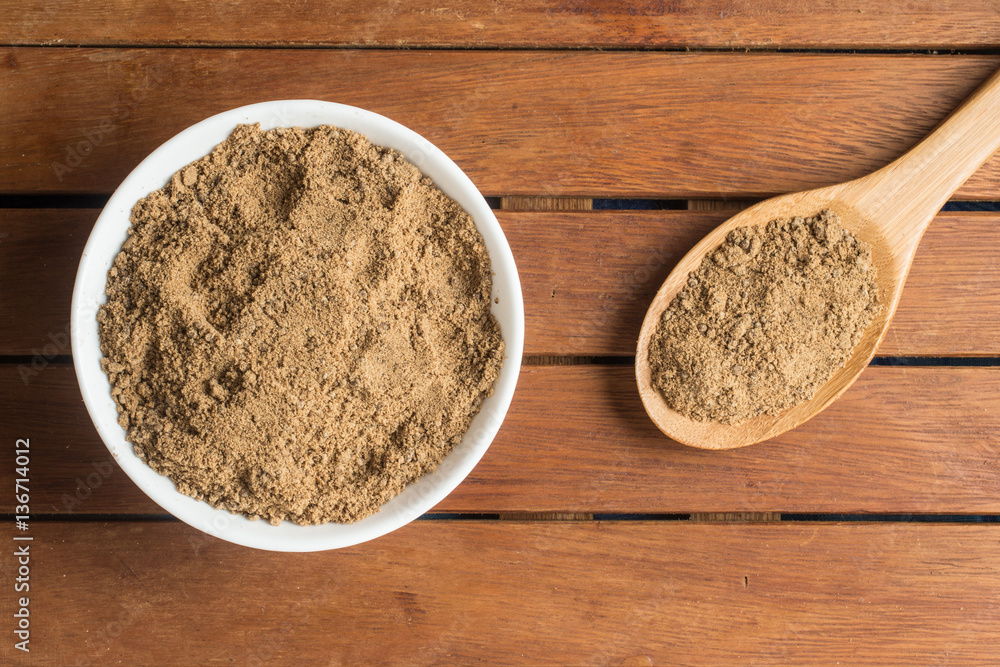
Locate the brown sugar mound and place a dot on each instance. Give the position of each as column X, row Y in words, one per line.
column 298, row 326
column 768, row 318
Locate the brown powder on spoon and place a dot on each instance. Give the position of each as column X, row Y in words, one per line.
column 298, row 326
column 768, row 318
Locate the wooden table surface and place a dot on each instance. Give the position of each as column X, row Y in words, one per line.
column 610, row 137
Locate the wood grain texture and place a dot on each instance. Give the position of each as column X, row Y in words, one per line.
column 945, row 24
column 661, row 125
column 39, row 254
column 587, row 278
column 576, row 440
column 888, row 211
column 535, row 593
column 901, row 439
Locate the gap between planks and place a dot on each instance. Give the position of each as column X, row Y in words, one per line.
column 542, row 203
column 546, row 516
column 737, row 517
column 607, row 517
column 725, row 517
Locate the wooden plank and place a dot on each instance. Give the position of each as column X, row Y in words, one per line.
column 952, row 292
column 944, row 24
column 587, row 279
column 39, row 253
column 576, row 440
column 665, row 125
column 532, row 593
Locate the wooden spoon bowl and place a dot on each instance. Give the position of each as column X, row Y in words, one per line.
column 889, row 209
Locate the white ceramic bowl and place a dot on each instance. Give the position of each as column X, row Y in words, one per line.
column 109, row 234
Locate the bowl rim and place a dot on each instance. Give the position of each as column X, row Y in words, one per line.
column 104, row 243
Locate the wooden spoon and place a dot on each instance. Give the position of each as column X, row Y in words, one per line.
column 889, row 209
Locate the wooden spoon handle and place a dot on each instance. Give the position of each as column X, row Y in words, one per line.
column 903, row 197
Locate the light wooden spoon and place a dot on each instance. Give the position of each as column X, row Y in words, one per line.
column 889, row 209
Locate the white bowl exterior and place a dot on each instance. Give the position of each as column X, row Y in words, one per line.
column 110, row 232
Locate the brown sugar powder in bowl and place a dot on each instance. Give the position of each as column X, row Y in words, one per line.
column 298, row 326
column 768, row 318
